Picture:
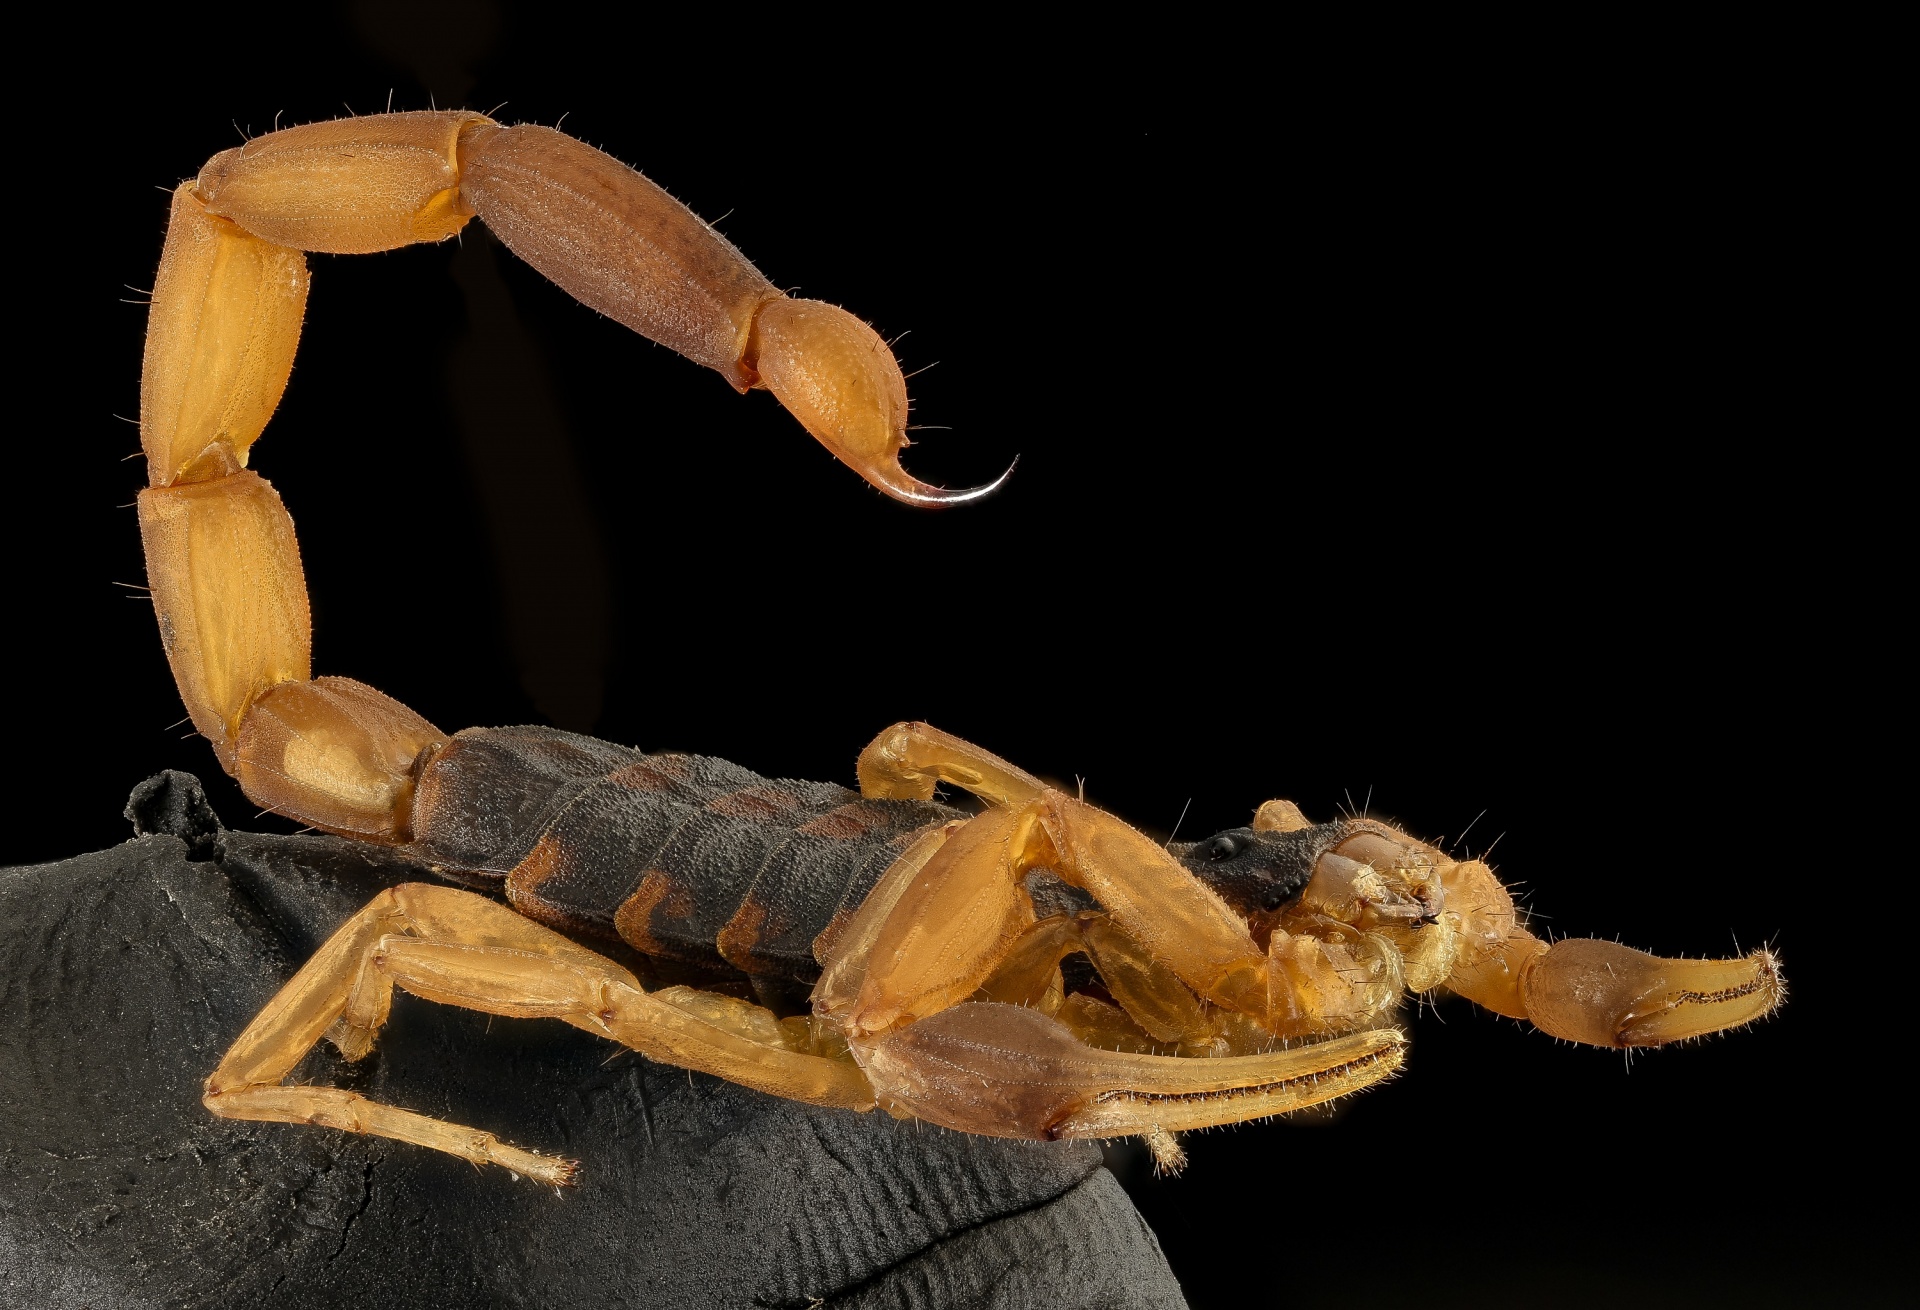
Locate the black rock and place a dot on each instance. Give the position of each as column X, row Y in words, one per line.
column 124, row 975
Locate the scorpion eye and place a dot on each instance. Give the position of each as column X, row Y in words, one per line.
column 1224, row 847
column 1275, row 897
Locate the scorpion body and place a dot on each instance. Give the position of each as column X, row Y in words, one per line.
column 697, row 860
column 683, row 857
column 1250, row 974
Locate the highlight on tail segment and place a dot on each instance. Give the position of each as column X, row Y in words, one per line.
column 1038, row 969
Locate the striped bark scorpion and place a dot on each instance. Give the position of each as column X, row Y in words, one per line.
column 1033, row 969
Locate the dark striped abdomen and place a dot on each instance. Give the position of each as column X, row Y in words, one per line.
column 681, row 856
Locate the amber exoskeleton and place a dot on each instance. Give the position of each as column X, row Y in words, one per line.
column 1033, row 969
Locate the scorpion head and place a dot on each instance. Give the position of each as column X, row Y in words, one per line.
column 1340, row 881
column 1354, row 871
column 1257, row 872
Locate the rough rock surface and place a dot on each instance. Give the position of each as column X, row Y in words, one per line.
column 124, row 975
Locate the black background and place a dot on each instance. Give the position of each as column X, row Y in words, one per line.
column 1408, row 419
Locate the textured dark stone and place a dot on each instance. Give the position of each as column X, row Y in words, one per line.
column 124, row 974
column 175, row 803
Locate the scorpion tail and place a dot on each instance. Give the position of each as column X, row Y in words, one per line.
column 907, row 489
column 835, row 374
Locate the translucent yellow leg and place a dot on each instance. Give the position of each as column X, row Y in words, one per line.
column 462, row 949
column 965, row 910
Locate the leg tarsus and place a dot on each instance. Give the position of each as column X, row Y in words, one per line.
column 1169, row 1157
column 333, row 1107
column 908, row 760
column 1173, row 916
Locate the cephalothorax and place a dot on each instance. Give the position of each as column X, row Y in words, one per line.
column 1036, row 969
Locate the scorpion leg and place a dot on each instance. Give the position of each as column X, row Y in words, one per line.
column 963, row 912
column 1176, row 920
column 1152, row 997
column 461, row 949
column 908, row 760
column 316, row 1003
column 1149, row 896
column 949, row 929
column 1029, row 973
column 962, row 921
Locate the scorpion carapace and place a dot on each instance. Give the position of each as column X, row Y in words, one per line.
column 1249, row 974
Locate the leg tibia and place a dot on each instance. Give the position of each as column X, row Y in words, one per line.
column 952, row 925
column 220, row 341
column 1156, row 1010
column 348, row 187
column 1004, row 1071
column 229, row 594
column 314, row 999
column 1110, row 1028
column 336, row 754
column 1175, row 918
column 245, row 1084
column 1151, row 994
column 908, row 760
column 844, row 959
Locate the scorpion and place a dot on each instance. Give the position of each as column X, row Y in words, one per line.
column 1030, row 967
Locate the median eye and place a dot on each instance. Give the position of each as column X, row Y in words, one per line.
column 1224, row 848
